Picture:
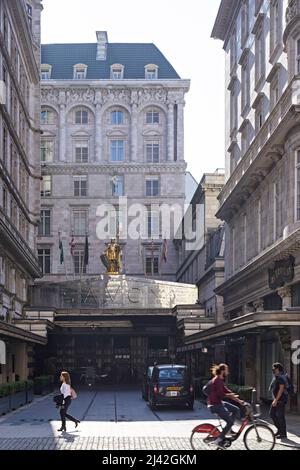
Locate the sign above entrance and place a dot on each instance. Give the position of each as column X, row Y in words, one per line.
column 119, row 291
column 282, row 273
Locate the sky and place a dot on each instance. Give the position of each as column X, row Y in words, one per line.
column 181, row 30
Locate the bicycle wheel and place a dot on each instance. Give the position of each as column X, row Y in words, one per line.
column 261, row 438
column 202, row 436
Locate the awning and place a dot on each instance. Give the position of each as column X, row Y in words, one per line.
column 247, row 324
column 10, row 331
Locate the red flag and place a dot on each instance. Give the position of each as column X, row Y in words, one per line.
column 72, row 246
column 164, row 251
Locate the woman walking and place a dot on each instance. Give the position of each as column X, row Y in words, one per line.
column 65, row 390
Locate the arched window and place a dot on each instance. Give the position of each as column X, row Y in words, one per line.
column 117, row 72
column 48, row 116
column 117, row 117
column 81, row 116
column 80, row 72
column 46, row 70
column 151, row 72
column 152, row 116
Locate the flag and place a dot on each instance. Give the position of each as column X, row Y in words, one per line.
column 86, row 251
column 141, row 253
column 152, row 250
column 61, row 249
column 72, row 246
column 164, row 251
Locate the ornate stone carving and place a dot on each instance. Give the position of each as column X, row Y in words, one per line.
column 247, row 308
column 148, row 95
column 81, row 95
column 284, row 292
column 107, row 169
column 285, row 338
column 50, row 95
column 116, row 95
column 258, row 305
column 292, row 10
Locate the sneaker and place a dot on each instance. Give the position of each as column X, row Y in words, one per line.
column 233, row 433
column 219, row 442
column 280, row 436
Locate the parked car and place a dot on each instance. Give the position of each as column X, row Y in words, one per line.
column 170, row 385
column 146, row 382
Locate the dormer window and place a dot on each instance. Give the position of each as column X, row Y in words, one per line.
column 80, row 71
column 151, row 72
column 46, row 70
column 117, row 72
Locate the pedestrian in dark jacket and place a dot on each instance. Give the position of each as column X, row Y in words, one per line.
column 280, row 399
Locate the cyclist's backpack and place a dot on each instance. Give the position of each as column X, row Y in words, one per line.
column 289, row 385
column 206, row 390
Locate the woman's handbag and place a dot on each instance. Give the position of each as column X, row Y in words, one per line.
column 73, row 394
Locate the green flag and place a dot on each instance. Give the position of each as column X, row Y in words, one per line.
column 61, row 249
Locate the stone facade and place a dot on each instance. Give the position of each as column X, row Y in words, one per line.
column 19, row 173
column 100, row 98
column 260, row 199
column 204, row 266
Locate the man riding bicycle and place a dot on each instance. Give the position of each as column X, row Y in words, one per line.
column 218, row 393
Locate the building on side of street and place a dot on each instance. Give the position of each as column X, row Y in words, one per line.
column 113, row 126
column 260, row 200
column 203, row 266
column 19, row 180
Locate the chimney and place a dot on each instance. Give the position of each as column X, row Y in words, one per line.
column 102, row 45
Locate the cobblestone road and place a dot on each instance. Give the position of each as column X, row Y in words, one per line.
column 109, row 421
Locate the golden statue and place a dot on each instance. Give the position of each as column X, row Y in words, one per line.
column 112, row 258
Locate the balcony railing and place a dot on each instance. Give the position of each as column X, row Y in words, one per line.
column 289, row 99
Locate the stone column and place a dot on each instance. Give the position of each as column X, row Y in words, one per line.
column 62, row 133
column 170, row 132
column 134, row 133
column 258, row 366
column 180, row 131
column 98, row 133
column 286, row 294
column 21, row 361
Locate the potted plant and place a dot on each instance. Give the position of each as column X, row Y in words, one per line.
column 5, row 390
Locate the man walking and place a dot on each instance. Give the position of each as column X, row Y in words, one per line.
column 280, row 398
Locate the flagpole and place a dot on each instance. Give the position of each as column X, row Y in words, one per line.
column 72, row 246
column 61, row 248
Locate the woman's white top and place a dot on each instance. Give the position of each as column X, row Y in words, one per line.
column 65, row 390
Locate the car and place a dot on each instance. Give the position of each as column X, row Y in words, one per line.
column 170, row 384
column 146, row 382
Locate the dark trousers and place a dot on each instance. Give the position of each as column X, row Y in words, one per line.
column 277, row 413
column 64, row 414
column 228, row 413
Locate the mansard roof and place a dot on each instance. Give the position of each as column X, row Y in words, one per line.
column 134, row 58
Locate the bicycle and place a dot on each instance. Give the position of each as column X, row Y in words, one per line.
column 259, row 433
